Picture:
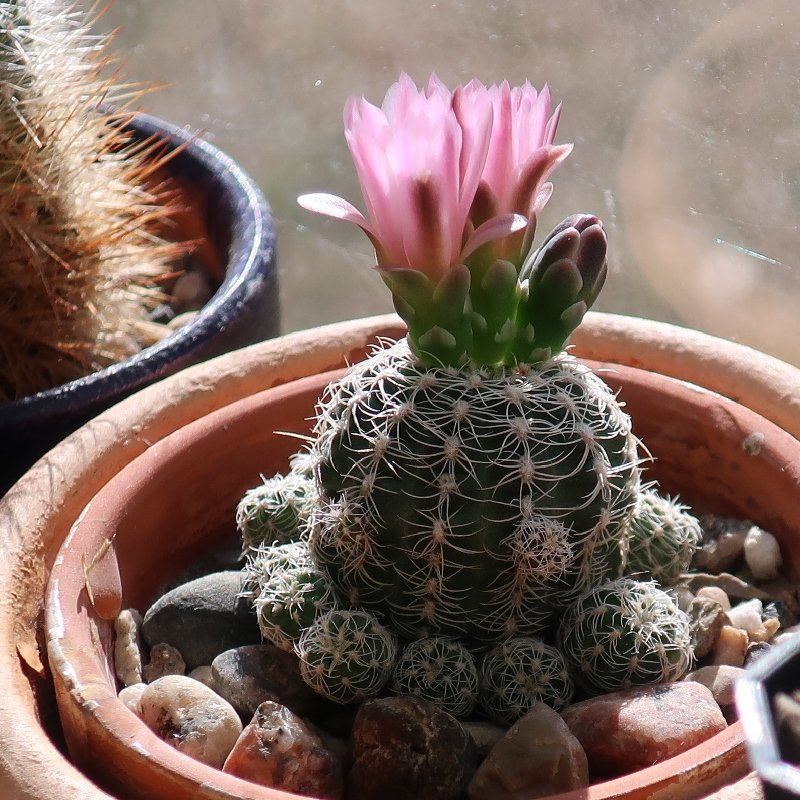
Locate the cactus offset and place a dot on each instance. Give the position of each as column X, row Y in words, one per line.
column 76, row 219
column 663, row 538
column 520, row 672
column 626, row 633
column 346, row 656
column 276, row 511
column 441, row 671
column 289, row 592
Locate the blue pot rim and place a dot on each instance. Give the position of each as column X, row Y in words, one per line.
column 252, row 246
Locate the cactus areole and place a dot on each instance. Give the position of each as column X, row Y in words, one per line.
column 473, row 478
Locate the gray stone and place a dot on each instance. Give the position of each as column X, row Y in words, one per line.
column 754, row 651
column 248, row 676
column 279, row 750
column 706, row 618
column 734, row 587
column 722, row 548
column 406, row 747
column 164, row 660
column 538, row 757
column 202, row 618
column 190, row 717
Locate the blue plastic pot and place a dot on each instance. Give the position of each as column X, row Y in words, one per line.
column 230, row 212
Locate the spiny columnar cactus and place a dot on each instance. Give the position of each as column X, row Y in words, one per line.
column 626, row 633
column 346, row 656
column 520, row 672
column 471, row 503
column 79, row 250
column 473, row 479
column 289, row 592
column 663, row 538
column 276, row 511
column 439, row 670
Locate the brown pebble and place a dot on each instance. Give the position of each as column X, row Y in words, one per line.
column 635, row 728
column 539, row 756
column 277, row 749
column 164, row 660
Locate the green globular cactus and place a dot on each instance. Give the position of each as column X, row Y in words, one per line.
column 441, row 671
column 288, row 592
column 347, row 656
column 472, row 503
column 626, row 633
column 276, row 511
column 78, row 216
column 663, row 538
column 520, row 672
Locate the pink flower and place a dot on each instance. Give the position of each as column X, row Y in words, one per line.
column 521, row 152
column 419, row 165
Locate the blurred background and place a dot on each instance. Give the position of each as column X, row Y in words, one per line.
column 685, row 118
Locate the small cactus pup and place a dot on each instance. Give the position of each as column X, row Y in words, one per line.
column 289, row 593
column 519, row 672
column 472, row 478
column 440, row 670
column 80, row 253
column 277, row 510
column 663, row 538
column 347, row 656
column 626, row 633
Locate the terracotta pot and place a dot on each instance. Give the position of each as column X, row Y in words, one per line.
column 226, row 211
column 36, row 515
column 177, row 500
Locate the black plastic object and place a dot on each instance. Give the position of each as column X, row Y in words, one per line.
column 776, row 671
column 231, row 212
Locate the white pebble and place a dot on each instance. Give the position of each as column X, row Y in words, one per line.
column 128, row 646
column 762, row 553
column 747, row 617
column 191, row 717
column 132, row 695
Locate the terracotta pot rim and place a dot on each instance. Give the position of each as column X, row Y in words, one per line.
column 37, row 512
column 106, row 708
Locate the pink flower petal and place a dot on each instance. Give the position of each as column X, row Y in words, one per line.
column 492, row 229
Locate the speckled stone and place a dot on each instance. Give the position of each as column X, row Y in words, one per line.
column 191, row 717
column 132, row 695
column 248, row 676
column 128, row 651
column 706, row 618
column 404, row 747
column 635, row 728
column 202, row 618
column 164, row 660
column 279, row 750
column 537, row 757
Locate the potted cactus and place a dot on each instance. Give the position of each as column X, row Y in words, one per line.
column 101, row 210
column 466, row 484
